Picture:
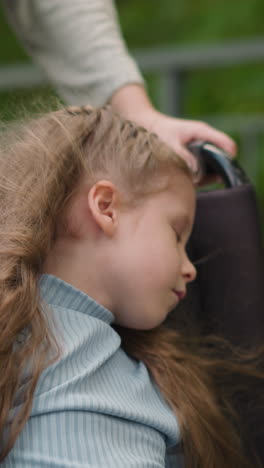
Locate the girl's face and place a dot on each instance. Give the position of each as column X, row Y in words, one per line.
column 150, row 269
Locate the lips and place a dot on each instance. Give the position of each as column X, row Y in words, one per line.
column 181, row 294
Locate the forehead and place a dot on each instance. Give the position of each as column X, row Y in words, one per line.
column 176, row 201
column 180, row 197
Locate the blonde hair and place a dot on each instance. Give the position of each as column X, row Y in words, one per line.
column 41, row 163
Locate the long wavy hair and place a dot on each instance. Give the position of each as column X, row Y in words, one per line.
column 41, row 163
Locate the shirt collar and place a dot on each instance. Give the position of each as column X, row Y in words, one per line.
column 57, row 292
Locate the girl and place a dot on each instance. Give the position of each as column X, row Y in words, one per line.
column 95, row 216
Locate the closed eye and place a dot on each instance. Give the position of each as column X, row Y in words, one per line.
column 178, row 236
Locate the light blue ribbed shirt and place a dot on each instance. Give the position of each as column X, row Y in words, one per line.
column 96, row 407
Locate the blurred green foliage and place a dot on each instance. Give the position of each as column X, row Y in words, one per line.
column 187, row 21
column 179, row 22
column 153, row 23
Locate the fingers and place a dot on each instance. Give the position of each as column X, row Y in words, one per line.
column 177, row 133
column 208, row 133
column 188, row 157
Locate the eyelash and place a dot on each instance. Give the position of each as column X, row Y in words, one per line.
column 178, row 236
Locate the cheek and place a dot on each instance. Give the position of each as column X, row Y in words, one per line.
column 148, row 255
column 158, row 258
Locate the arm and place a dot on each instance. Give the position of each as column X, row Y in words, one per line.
column 80, row 46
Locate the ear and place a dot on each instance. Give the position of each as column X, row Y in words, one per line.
column 103, row 204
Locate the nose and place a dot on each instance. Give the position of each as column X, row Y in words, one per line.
column 189, row 270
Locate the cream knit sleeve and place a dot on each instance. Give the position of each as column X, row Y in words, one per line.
column 78, row 44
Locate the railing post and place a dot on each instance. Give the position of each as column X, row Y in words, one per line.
column 250, row 152
column 171, row 92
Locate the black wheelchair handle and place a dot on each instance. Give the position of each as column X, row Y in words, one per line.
column 214, row 161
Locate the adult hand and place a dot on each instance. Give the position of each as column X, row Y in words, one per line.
column 179, row 132
column 132, row 102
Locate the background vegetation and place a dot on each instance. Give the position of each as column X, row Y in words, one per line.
column 151, row 23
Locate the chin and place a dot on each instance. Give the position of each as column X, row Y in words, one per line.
column 151, row 324
column 143, row 320
column 140, row 324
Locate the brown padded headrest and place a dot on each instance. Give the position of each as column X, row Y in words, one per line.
column 228, row 295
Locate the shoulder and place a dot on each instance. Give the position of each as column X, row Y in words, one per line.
column 86, row 345
column 95, row 406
